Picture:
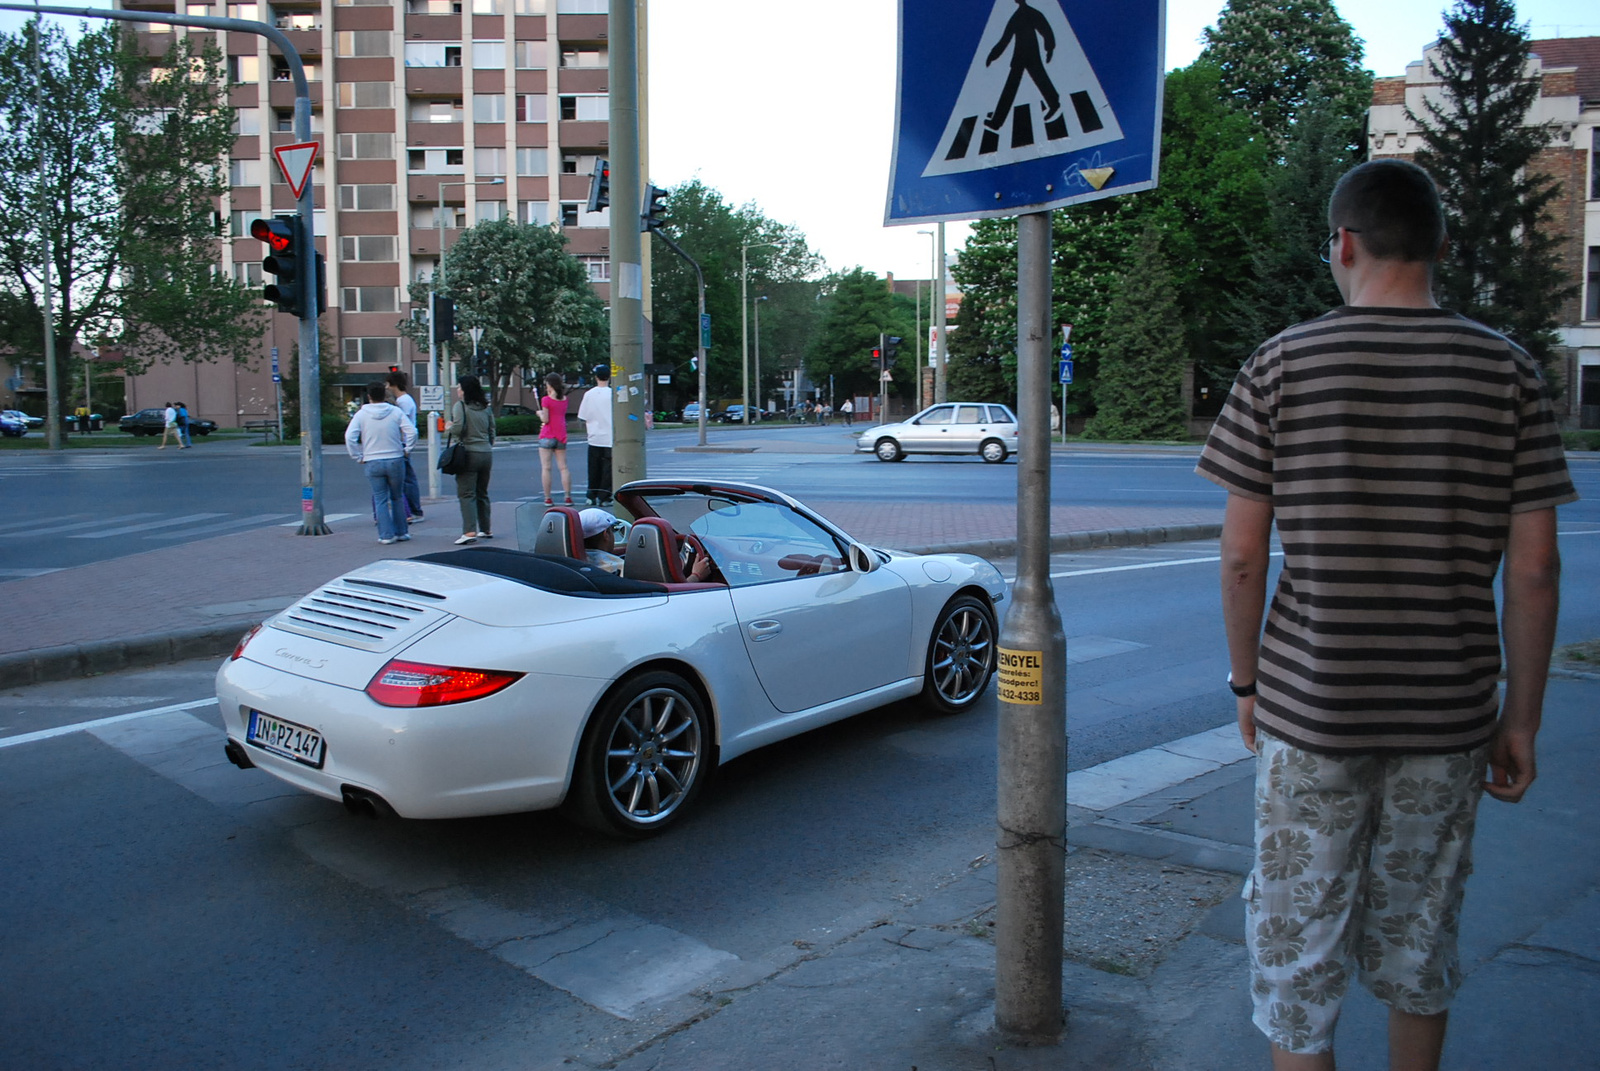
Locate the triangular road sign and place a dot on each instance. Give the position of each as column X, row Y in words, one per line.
column 1030, row 92
column 295, row 162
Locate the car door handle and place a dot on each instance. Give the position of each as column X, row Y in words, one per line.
column 764, row 630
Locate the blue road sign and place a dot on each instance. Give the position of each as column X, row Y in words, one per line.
column 276, row 376
column 1066, row 371
column 705, row 330
column 1009, row 106
column 1066, row 351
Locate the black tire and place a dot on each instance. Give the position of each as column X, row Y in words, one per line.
column 961, row 655
column 888, row 450
column 993, row 451
column 202, row 431
column 645, row 754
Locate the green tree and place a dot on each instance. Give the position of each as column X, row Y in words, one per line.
column 121, row 173
column 857, row 307
column 1140, row 390
column 1278, row 56
column 531, row 297
column 780, row 264
column 1502, row 266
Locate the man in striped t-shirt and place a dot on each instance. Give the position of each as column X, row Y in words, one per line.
column 1403, row 451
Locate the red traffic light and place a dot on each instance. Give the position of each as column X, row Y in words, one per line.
column 275, row 233
column 876, row 354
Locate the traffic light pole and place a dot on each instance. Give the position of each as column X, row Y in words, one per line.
column 311, row 521
column 627, row 272
column 700, row 335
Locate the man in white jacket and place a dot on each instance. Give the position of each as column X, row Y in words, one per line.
column 380, row 437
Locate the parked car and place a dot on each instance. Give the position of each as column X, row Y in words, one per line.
column 691, row 413
column 152, row 421
column 517, row 410
column 611, row 697
column 981, row 428
column 734, row 414
column 11, row 427
column 27, row 421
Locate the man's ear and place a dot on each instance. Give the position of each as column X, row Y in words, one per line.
column 1346, row 247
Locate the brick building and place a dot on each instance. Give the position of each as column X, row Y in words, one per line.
column 496, row 108
column 1568, row 72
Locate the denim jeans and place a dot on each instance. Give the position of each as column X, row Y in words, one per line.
column 388, row 478
column 413, row 490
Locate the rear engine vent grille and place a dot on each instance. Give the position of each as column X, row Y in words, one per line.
column 362, row 618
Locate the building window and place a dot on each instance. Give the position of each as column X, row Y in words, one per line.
column 244, row 172
column 533, row 161
column 578, row 164
column 249, row 12
column 455, row 217
column 599, row 268
column 247, row 273
column 569, row 213
column 239, row 223
column 586, row 109
column 489, row 55
column 366, row 146
column 491, row 211
column 582, row 7
column 246, row 121
column 530, row 7
column 489, row 162
column 536, row 213
column 197, row 9
column 1594, row 165
column 366, row 94
column 367, row 198
column 308, row 22
column 432, row 54
column 532, row 107
column 376, row 247
column 584, row 57
column 436, row 111
column 1591, row 305
column 280, row 71
column 362, row 3
column 488, row 7
column 422, row 272
column 433, row 7
column 488, row 107
column 244, row 70
column 384, row 351
column 371, row 299
column 352, row 43
column 283, row 121
column 532, row 55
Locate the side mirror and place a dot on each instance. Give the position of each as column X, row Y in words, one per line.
column 863, row 559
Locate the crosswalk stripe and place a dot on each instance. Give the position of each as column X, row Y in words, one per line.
column 78, row 527
column 212, row 529
column 33, row 525
column 127, row 529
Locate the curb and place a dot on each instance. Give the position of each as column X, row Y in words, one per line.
column 91, row 659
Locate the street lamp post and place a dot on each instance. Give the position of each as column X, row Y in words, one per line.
column 941, row 369
column 744, row 318
column 757, row 304
column 434, row 369
column 920, row 340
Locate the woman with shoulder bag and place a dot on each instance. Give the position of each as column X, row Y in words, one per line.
column 472, row 424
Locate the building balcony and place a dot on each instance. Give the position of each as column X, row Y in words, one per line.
column 433, row 81
column 582, row 27
column 577, row 134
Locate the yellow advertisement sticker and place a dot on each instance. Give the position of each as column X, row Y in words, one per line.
column 1021, row 677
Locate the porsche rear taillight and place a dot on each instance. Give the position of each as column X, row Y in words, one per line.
column 238, row 648
column 420, row 684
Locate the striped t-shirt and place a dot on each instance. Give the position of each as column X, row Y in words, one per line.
column 1394, row 445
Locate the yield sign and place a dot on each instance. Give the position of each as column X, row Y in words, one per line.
column 295, row 162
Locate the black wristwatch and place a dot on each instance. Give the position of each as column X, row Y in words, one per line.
column 1243, row 691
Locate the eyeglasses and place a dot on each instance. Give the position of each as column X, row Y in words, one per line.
column 1325, row 250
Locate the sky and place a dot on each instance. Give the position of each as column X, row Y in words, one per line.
column 789, row 106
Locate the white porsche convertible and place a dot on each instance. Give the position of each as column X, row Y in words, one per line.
column 488, row 681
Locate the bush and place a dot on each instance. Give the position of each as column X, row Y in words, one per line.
column 333, row 426
column 1581, row 440
column 516, row 425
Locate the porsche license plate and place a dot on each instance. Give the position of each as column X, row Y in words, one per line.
column 286, row 738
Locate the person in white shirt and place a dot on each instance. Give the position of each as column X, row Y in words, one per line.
column 170, row 427
column 595, row 412
column 380, row 437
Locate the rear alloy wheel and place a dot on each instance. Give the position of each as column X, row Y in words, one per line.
column 993, row 451
column 644, row 757
column 889, row 450
column 961, row 655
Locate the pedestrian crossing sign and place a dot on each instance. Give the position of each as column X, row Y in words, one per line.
column 1009, row 106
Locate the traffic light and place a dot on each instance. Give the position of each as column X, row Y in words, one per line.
column 877, row 358
column 444, row 319
column 600, row 186
column 282, row 235
column 654, row 216
column 891, row 349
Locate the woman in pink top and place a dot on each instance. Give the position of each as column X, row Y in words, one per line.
column 553, row 435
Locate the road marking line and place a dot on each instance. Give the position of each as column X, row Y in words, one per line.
column 1130, row 777
column 68, row 527
column 33, row 525
column 327, row 518
column 88, row 726
column 212, row 529
column 128, row 529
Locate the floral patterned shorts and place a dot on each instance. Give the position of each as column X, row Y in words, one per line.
column 1361, row 862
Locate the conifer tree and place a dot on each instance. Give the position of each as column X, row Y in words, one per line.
column 1139, row 394
column 1501, row 266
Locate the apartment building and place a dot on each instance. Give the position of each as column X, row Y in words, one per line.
column 1568, row 73
column 492, row 109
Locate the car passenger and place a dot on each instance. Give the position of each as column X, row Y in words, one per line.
column 599, row 540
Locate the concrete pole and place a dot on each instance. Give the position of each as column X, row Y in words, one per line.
column 744, row 330
column 1031, row 811
column 627, row 273
column 52, row 389
column 311, row 518
column 941, row 389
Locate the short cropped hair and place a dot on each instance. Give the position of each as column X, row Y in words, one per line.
column 376, row 391
column 1394, row 206
column 398, row 380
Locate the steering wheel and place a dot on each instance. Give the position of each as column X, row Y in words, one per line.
column 690, row 551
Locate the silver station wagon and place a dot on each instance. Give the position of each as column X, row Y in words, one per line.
column 983, row 428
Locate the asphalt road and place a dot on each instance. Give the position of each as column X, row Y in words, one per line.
column 162, row 910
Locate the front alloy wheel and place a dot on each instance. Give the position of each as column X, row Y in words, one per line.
column 644, row 757
column 961, row 655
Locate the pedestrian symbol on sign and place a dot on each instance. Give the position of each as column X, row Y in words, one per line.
column 995, row 122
